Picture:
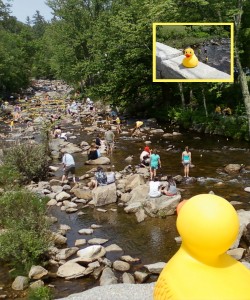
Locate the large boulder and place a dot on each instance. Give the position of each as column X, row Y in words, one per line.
column 82, row 193
column 233, row 168
column 103, row 160
column 133, row 181
column 162, row 206
column 103, row 195
column 139, row 193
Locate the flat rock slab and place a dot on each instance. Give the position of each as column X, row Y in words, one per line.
column 97, row 241
column 86, row 231
column 113, row 247
column 155, row 268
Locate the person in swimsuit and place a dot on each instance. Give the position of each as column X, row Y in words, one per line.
column 186, row 161
column 155, row 163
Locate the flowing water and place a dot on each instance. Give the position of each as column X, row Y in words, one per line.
column 153, row 240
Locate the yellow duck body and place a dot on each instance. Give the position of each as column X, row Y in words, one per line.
column 190, row 60
column 201, row 270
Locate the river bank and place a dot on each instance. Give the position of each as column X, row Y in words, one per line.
column 158, row 235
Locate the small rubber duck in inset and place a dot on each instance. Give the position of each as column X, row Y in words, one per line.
column 201, row 269
column 190, row 61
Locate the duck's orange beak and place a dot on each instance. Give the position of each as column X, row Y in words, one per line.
column 187, row 55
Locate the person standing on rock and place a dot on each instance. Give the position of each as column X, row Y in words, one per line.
column 109, row 140
column 155, row 163
column 68, row 166
column 186, row 161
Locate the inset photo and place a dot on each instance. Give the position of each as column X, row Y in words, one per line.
column 193, row 52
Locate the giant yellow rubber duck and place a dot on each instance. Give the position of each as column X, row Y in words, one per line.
column 201, row 269
column 190, row 60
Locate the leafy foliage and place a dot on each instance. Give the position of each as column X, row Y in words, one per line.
column 30, row 160
column 9, row 177
column 25, row 238
column 43, row 293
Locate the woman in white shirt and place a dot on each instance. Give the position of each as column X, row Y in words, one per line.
column 154, row 188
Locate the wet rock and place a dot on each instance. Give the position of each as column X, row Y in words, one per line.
column 125, row 197
column 140, row 215
column 141, row 276
column 176, row 133
column 133, row 181
column 62, row 196
column 244, row 218
column 128, row 278
column 52, row 202
column 113, row 247
column 36, row 284
column 121, row 265
column 108, row 277
column 65, row 227
column 57, row 188
column 155, row 268
column 82, row 193
column 53, row 182
column 162, row 206
column 99, row 161
column 97, row 241
column 80, row 242
column 20, row 283
column 178, row 178
column 233, row 168
column 86, row 231
column 71, row 269
column 139, row 194
column 66, row 187
column 133, row 207
column 103, row 195
column 71, row 148
column 58, row 239
column 63, row 254
column 37, row 272
column 247, row 189
column 91, row 253
column 128, row 258
column 95, row 226
column 155, row 131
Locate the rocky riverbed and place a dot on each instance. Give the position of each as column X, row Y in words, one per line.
column 90, row 256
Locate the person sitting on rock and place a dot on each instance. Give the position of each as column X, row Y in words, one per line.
column 171, row 190
column 110, row 176
column 155, row 188
column 100, row 178
column 57, row 132
column 92, row 153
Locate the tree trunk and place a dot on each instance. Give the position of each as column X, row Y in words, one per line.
column 242, row 76
column 182, row 94
column 204, row 102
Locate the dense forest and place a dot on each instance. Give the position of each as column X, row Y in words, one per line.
column 103, row 48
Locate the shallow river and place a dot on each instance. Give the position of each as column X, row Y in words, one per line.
column 153, row 240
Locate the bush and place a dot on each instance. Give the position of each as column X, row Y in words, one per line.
column 25, row 238
column 9, row 177
column 29, row 160
column 40, row 293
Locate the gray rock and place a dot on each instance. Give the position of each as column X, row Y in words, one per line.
column 133, row 207
column 155, row 268
column 36, row 284
column 20, row 283
column 86, row 231
column 37, row 272
column 133, row 181
column 128, row 278
column 99, row 161
column 103, row 195
column 140, row 215
column 128, row 258
column 233, row 168
column 141, row 276
column 71, row 269
column 80, row 242
column 63, row 254
column 108, row 277
column 52, row 202
column 97, row 241
column 62, row 196
column 82, row 193
column 56, row 188
column 58, row 239
column 236, row 253
column 113, row 247
column 121, row 265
